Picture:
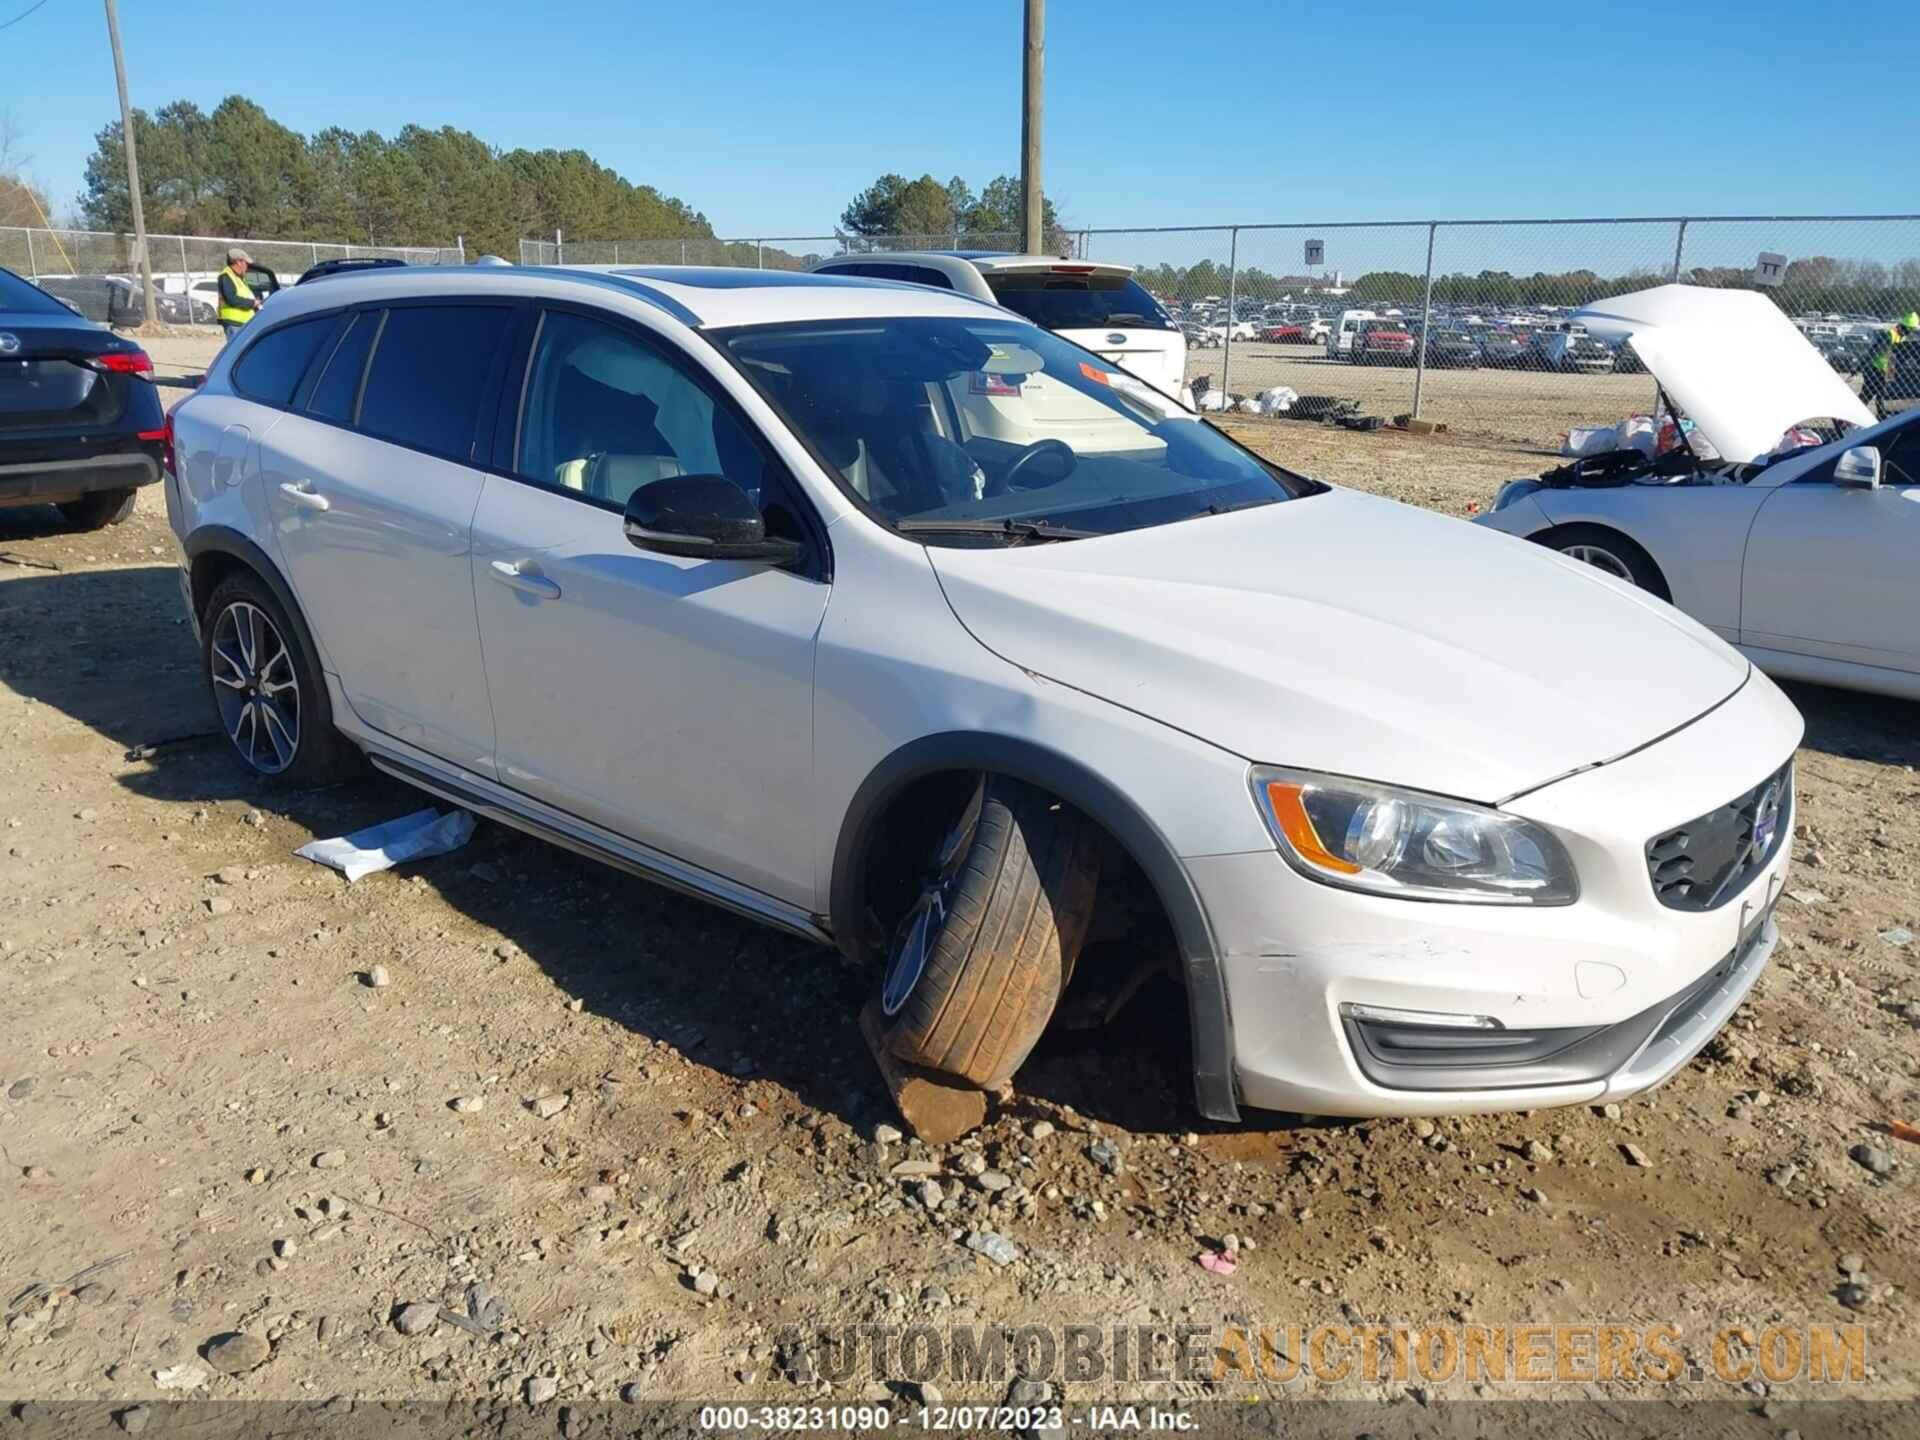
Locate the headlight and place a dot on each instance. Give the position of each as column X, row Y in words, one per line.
column 1385, row 841
column 1514, row 490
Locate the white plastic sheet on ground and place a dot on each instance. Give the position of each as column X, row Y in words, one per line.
column 380, row 847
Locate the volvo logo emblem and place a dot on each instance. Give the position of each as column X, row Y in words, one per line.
column 9, row 342
column 1116, row 339
column 1766, row 819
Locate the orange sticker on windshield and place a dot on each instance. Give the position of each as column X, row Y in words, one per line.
column 1099, row 377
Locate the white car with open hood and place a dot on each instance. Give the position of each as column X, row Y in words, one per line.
column 1802, row 557
column 886, row 617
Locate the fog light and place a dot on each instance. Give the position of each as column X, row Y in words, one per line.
column 1382, row 1015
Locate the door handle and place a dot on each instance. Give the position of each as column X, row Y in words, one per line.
column 305, row 494
column 509, row 573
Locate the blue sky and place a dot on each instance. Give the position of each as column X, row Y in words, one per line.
column 769, row 116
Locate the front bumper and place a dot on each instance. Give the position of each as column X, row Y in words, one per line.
column 1596, row 1000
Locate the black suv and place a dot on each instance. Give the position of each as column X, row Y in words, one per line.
column 81, row 425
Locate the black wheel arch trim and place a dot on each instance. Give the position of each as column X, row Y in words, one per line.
column 223, row 540
column 1209, row 1019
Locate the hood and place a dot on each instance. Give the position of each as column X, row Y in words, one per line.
column 1355, row 636
column 1732, row 362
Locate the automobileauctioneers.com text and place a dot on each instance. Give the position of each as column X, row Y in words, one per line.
column 1534, row 1354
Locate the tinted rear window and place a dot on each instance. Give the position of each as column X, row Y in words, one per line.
column 429, row 376
column 1079, row 302
column 18, row 294
column 339, row 384
column 270, row 371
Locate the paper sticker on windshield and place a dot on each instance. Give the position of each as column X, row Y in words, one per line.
column 979, row 382
column 1099, row 377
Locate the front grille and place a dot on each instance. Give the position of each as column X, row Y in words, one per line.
column 1699, row 865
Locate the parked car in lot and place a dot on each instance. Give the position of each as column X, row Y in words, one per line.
column 81, row 426
column 1280, row 332
column 115, row 300
column 1098, row 305
column 1381, row 342
column 887, row 617
column 1506, row 349
column 1452, row 348
column 347, row 265
column 1803, row 559
column 1572, row 352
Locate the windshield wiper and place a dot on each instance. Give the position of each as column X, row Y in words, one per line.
column 1023, row 530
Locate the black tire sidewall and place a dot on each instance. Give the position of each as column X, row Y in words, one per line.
column 97, row 509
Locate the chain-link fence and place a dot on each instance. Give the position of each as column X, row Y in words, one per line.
column 185, row 267
column 1458, row 323
column 770, row 252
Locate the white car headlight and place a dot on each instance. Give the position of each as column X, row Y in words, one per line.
column 1408, row 844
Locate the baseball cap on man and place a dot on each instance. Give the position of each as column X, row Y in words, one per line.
column 236, row 253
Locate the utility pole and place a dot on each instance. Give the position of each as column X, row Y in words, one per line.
column 1032, row 108
column 133, row 163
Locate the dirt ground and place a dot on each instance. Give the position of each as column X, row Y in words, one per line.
column 228, row 1086
column 1521, row 408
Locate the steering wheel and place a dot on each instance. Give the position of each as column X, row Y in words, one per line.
column 1027, row 456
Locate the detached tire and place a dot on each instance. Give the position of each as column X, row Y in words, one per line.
column 98, row 509
column 978, row 964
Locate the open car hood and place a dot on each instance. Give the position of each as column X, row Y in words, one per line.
column 1732, row 362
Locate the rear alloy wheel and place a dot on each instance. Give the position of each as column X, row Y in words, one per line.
column 268, row 690
column 981, row 957
column 98, row 509
column 255, row 687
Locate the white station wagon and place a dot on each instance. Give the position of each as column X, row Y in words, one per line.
column 886, row 617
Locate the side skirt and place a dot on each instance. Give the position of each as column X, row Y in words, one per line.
column 572, row 834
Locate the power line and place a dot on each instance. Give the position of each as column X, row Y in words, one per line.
column 23, row 14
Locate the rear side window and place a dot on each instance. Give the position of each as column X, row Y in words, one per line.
column 18, row 294
column 270, row 371
column 429, row 376
column 1055, row 301
column 913, row 275
column 339, row 384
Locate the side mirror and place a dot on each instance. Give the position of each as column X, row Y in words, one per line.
column 1858, row 468
column 703, row 517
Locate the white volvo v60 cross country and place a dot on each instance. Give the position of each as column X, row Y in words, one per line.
column 886, row 617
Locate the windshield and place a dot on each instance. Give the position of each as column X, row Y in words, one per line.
column 935, row 419
column 1078, row 302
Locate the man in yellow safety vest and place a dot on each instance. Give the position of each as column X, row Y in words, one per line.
column 237, row 300
column 1876, row 373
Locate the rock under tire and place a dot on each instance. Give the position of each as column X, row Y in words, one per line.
column 1017, row 917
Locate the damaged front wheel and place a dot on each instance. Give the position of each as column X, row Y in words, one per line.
column 978, row 962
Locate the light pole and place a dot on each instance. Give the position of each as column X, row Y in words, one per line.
column 133, row 163
column 1032, row 109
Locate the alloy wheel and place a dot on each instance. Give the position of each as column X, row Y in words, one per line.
column 256, row 687
column 1601, row 559
column 915, row 936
